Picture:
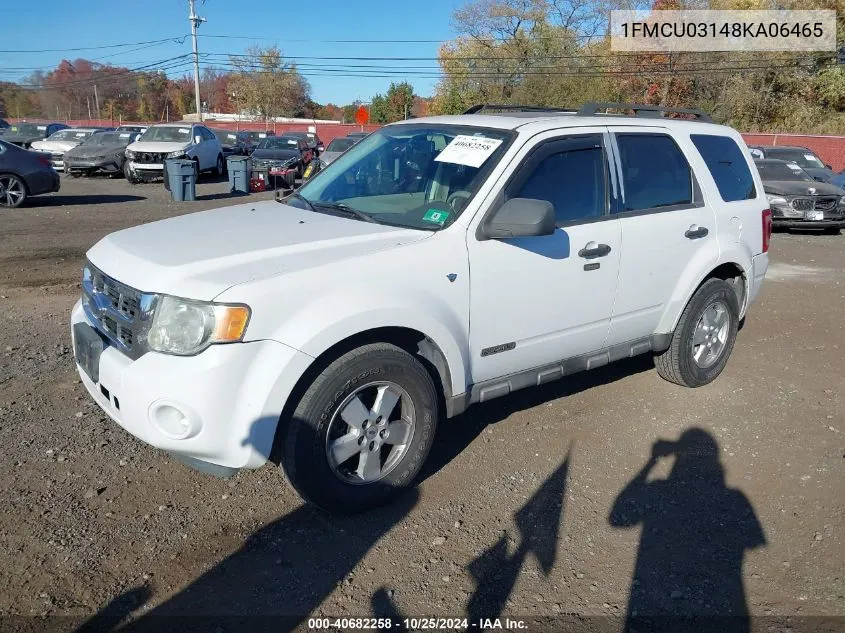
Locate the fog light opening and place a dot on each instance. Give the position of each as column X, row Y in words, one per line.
column 173, row 421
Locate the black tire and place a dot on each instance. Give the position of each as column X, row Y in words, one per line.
column 196, row 170
column 14, row 191
column 220, row 167
column 128, row 174
column 833, row 230
column 677, row 363
column 303, row 440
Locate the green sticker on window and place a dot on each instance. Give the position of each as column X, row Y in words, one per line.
column 435, row 216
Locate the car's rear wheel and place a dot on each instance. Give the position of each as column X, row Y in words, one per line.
column 362, row 430
column 833, row 230
column 12, row 191
column 218, row 169
column 704, row 338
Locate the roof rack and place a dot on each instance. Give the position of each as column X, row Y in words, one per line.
column 639, row 109
column 483, row 107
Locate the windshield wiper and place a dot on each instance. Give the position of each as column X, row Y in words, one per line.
column 343, row 208
column 299, row 196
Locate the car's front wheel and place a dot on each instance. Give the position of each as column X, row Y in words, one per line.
column 12, row 191
column 362, row 430
column 704, row 337
column 219, row 167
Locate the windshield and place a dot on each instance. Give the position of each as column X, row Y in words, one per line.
column 340, row 145
column 70, row 135
column 779, row 170
column 278, row 142
column 110, row 138
column 226, row 136
column 32, row 129
column 419, row 175
column 803, row 157
column 167, row 133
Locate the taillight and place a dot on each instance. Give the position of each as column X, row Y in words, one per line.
column 44, row 161
column 767, row 229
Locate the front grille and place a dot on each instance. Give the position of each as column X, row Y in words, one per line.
column 121, row 313
column 149, row 158
column 815, row 203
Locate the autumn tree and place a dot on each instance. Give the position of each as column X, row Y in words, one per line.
column 264, row 83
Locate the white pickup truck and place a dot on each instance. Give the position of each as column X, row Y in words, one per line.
column 439, row 262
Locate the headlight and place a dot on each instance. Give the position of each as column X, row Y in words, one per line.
column 777, row 201
column 184, row 327
column 842, row 202
column 129, row 154
column 178, row 154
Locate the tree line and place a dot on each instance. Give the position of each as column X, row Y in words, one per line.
column 556, row 53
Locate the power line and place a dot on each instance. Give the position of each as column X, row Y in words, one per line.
column 179, row 39
column 161, row 65
column 579, row 36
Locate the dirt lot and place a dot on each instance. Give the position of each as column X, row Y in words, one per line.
column 533, row 505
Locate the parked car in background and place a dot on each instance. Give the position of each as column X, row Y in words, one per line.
column 839, row 180
column 254, row 137
column 805, row 158
column 311, row 138
column 335, row 148
column 24, row 173
column 25, row 134
column 60, row 142
column 799, row 201
column 146, row 156
column 278, row 153
column 4, row 125
column 100, row 153
column 234, row 143
column 358, row 135
column 139, row 129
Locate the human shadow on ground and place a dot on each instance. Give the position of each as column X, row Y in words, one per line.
column 695, row 532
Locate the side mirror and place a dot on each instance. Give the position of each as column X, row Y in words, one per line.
column 197, row 139
column 828, row 166
column 521, row 217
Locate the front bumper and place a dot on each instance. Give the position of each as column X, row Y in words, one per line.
column 110, row 165
column 795, row 223
column 230, row 397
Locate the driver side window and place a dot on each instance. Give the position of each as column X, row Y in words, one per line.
column 569, row 173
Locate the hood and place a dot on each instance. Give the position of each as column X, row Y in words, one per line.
column 9, row 137
column 89, row 151
column 54, row 146
column 275, row 154
column 200, row 255
column 158, row 147
column 800, row 188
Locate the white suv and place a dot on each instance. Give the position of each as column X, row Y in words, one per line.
column 145, row 157
column 439, row 262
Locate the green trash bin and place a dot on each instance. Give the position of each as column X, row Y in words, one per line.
column 182, row 178
column 239, row 169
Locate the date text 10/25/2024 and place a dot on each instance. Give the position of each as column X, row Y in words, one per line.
column 416, row 624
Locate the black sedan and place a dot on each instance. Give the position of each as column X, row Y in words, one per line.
column 23, row 174
column 282, row 152
column 25, row 134
column 103, row 152
column 798, row 201
column 805, row 158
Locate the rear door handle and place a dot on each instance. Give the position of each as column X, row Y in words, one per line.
column 694, row 232
column 593, row 250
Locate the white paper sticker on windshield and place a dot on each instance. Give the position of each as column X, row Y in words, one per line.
column 793, row 166
column 468, row 150
column 290, row 142
column 262, row 136
column 124, row 135
column 810, row 157
column 40, row 127
column 184, row 130
column 80, row 134
column 231, row 136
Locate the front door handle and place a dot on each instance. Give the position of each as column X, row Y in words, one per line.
column 694, row 232
column 593, row 250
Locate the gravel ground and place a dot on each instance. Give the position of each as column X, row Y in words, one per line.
column 545, row 503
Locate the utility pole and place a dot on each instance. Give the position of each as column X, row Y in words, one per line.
column 97, row 101
column 195, row 22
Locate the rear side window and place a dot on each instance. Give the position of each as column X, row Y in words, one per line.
column 727, row 165
column 654, row 172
